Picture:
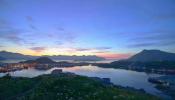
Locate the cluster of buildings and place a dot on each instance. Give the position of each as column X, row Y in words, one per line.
column 8, row 67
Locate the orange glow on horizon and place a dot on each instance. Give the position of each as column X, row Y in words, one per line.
column 114, row 55
column 107, row 55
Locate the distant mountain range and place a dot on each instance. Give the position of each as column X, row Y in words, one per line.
column 17, row 56
column 11, row 55
column 152, row 55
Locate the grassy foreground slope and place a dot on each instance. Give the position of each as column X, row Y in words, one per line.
column 48, row 87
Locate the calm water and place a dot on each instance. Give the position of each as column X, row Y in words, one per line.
column 121, row 77
column 11, row 61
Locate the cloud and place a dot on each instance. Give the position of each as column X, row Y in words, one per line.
column 103, row 48
column 30, row 43
column 59, row 43
column 155, row 44
column 63, row 37
column 30, row 18
column 60, row 29
column 79, row 50
column 156, row 38
column 12, row 36
column 156, row 35
column 38, row 49
column 32, row 26
column 82, row 49
column 69, row 37
column 98, row 52
column 31, row 22
column 96, row 49
column 9, row 33
column 141, row 45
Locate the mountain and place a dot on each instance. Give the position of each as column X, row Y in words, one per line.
column 76, row 58
column 18, row 56
column 147, row 60
column 11, row 55
column 152, row 55
column 41, row 60
column 44, row 60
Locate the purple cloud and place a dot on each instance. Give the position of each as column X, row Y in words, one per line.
column 32, row 26
column 157, row 38
column 38, row 49
column 96, row 48
column 10, row 33
column 60, row 29
column 141, row 45
column 30, row 18
column 12, row 36
column 103, row 48
column 31, row 22
column 155, row 44
column 83, row 49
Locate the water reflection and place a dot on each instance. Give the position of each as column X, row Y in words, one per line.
column 121, row 77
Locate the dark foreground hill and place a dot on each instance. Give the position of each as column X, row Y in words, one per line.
column 48, row 87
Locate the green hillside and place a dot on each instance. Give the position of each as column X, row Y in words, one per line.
column 49, row 87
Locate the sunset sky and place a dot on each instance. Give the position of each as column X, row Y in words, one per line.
column 108, row 28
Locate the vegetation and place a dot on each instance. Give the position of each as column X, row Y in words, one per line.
column 169, row 65
column 49, row 87
column 146, row 60
column 149, row 65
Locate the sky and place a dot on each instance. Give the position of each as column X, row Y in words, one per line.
column 114, row 29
